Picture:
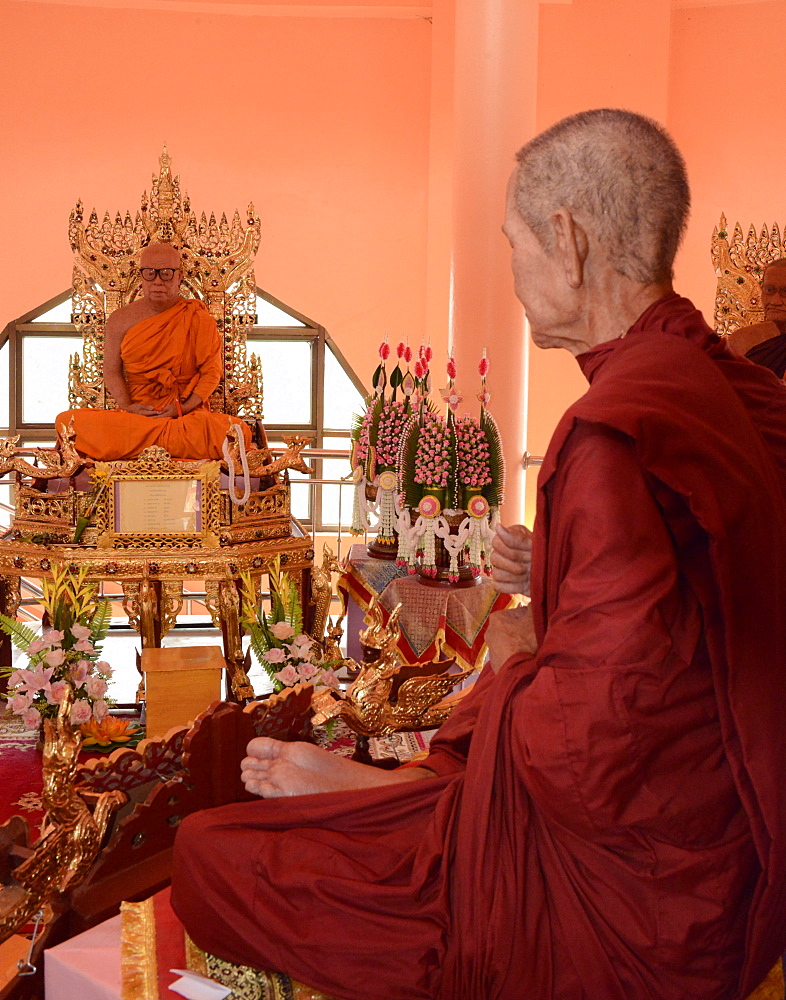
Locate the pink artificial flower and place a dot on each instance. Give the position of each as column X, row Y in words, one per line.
column 102, row 667
column 56, row 692
column 31, row 718
column 288, row 676
column 407, row 354
column 84, row 646
column 282, row 630
column 53, row 636
column 275, row 655
column 419, row 372
column 81, row 711
column 96, row 687
column 15, row 679
column 483, row 365
column 20, row 702
column 307, row 671
column 451, row 368
column 384, row 349
column 328, row 679
column 80, row 672
column 400, row 350
column 37, row 679
column 80, row 631
column 301, row 646
column 452, row 398
column 37, row 646
column 55, row 657
column 428, row 354
column 100, row 710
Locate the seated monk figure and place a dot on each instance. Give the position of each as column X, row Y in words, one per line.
column 765, row 343
column 170, row 349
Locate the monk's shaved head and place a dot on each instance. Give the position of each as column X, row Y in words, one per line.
column 159, row 255
column 621, row 177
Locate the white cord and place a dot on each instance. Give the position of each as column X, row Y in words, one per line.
column 238, row 501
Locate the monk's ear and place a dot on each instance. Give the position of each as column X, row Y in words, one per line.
column 571, row 246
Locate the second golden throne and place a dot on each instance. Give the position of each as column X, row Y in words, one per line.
column 739, row 262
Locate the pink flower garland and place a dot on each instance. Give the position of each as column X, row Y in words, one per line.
column 472, row 453
column 391, row 426
column 432, row 465
column 361, row 453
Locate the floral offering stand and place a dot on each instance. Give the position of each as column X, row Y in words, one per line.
column 437, row 482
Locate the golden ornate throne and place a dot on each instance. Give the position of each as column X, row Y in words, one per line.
column 218, row 268
column 739, row 263
column 69, row 509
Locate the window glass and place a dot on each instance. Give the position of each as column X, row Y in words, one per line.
column 45, row 376
column 286, row 373
column 337, row 500
column 61, row 313
column 342, row 399
column 270, row 315
column 5, row 353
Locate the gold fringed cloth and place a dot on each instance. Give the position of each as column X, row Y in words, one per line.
column 153, row 941
column 773, row 987
column 454, row 617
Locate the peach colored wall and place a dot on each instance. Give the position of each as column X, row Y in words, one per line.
column 592, row 53
column 323, row 123
column 726, row 96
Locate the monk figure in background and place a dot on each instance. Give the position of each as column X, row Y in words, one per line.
column 765, row 343
column 162, row 361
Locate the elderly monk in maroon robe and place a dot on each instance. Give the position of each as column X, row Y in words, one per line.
column 765, row 343
column 603, row 818
column 162, row 360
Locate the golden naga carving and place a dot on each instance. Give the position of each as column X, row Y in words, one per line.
column 739, row 263
column 260, row 462
column 322, row 594
column 386, row 697
column 218, row 267
column 71, row 836
column 60, row 463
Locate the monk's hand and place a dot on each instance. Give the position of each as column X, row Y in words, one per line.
column 511, row 559
column 141, row 408
column 168, row 411
column 274, row 769
column 510, row 633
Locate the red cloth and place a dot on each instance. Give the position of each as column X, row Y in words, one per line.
column 166, row 357
column 606, row 823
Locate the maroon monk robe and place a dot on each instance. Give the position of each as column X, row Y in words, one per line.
column 606, row 823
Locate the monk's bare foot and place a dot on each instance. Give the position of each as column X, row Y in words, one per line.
column 273, row 769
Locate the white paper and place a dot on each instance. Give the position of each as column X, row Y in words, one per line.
column 195, row 987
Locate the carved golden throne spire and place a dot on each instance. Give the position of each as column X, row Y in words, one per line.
column 218, row 268
column 739, row 264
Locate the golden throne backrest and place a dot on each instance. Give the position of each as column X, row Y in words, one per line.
column 739, row 263
column 218, row 268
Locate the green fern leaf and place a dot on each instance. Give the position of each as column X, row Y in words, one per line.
column 494, row 491
column 21, row 635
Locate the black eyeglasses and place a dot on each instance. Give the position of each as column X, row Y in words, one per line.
column 164, row 273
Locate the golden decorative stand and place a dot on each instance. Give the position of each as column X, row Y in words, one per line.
column 61, row 496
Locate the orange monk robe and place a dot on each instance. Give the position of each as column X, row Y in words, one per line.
column 166, row 358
